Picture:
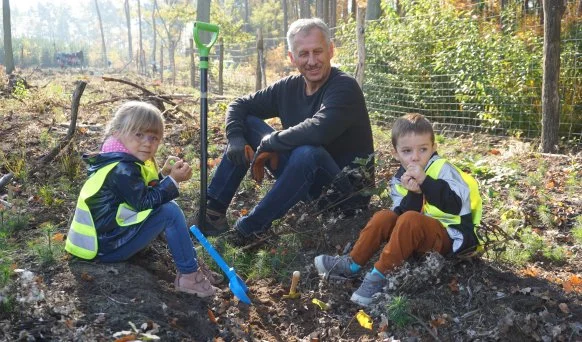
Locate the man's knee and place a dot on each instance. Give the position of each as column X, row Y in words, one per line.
column 307, row 154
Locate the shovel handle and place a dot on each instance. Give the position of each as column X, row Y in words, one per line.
column 213, row 253
column 204, row 48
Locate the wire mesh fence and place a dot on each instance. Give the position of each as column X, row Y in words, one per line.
column 478, row 68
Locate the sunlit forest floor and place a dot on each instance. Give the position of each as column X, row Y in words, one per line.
column 526, row 286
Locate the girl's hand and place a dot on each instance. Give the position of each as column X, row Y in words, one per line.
column 181, row 171
column 168, row 165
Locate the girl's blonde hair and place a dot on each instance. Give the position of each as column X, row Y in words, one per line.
column 133, row 117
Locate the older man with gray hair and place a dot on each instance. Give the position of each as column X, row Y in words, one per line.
column 326, row 129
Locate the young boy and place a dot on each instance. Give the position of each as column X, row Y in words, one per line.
column 431, row 212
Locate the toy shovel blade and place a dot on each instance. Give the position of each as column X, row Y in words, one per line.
column 236, row 284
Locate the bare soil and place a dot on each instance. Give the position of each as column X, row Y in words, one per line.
column 478, row 299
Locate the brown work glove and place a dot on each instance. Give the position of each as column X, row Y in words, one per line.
column 258, row 167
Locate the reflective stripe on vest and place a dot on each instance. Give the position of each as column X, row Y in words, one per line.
column 445, row 218
column 82, row 236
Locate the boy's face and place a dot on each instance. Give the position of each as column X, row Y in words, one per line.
column 142, row 145
column 414, row 149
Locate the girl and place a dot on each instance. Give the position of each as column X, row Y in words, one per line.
column 124, row 205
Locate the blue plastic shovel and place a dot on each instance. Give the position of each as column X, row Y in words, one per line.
column 235, row 283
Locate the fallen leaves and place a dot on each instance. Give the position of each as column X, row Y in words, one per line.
column 573, row 284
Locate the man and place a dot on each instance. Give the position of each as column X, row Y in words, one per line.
column 325, row 129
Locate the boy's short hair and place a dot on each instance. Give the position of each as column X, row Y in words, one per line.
column 411, row 123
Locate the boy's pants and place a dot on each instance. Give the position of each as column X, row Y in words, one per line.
column 411, row 232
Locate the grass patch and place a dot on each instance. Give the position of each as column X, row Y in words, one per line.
column 577, row 229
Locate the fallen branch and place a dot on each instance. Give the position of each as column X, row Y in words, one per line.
column 157, row 98
column 6, row 179
column 72, row 127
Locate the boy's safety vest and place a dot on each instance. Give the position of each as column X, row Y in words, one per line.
column 82, row 236
column 445, row 218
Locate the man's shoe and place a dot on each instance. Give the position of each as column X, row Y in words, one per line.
column 214, row 278
column 214, row 224
column 338, row 266
column 194, row 283
column 237, row 239
column 373, row 284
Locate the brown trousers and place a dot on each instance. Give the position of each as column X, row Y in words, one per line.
column 411, row 232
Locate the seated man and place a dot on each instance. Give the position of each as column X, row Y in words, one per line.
column 325, row 128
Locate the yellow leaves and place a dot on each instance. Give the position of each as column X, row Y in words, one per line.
column 322, row 305
column 244, row 212
column 212, row 162
column 530, row 272
column 438, row 321
column 364, row 319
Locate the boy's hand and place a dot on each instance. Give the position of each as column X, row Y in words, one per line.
column 410, row 183
column 168, row 165
column 416, row 172
column 181, row 171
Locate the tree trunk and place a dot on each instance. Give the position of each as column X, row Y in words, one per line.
column 128, row 20
column 7, row 25
column 579, row 11
column 172, row 56
column 192, row 64
column 162, row 63
column 155, row 40
column 553, row 11
column 203, row 15
column 332, row 17
column 247, row 16
column 354, row 9
column 103, row 46
column 285, row 16
column 345, row 12
column 259, row 70
column 319, row 9
column 304, row 10
column 220, row 66
column 373, row 10
column 141, row 52
column 361, row 40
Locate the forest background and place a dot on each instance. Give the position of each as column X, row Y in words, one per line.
column 475, row 68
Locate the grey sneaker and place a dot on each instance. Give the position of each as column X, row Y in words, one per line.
column 214, row 224
column 373, row 284
column 338, row 266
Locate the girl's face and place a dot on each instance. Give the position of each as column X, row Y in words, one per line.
column 142, row 145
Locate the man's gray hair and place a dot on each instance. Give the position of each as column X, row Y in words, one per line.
column 305, row 25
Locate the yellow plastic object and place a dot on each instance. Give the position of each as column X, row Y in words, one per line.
column 322, row 305
column 364, row 320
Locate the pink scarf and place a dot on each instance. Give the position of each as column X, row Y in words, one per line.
column 112, row 144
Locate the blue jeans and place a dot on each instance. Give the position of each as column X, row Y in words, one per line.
column 169, row 219
column 301, row 175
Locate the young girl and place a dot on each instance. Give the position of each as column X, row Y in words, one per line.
column 124, row 205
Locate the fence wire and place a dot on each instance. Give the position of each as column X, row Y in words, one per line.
column 471, row 69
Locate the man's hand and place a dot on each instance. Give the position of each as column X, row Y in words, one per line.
column 235, row 151
column 258, row 166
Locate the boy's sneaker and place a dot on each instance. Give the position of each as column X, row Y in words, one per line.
column 373, row 284
column 214, row 224
column 338, row 266
column 194, row 283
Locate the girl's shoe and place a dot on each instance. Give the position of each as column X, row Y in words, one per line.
column 214, row 278
column 194, row 283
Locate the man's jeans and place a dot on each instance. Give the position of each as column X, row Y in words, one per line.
column 170, row 219
column 301, row 175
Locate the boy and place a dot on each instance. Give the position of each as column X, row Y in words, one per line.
column 431, row 212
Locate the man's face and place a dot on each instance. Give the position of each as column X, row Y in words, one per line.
column 312, row 57
column 414, row 149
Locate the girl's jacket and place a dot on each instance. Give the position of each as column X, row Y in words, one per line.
column 124, row 184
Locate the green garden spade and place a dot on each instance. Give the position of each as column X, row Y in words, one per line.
column 236, row 284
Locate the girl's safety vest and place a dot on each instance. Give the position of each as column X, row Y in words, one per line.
column 445, row 218
column 82, row 236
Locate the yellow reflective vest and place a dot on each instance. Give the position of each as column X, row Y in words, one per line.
column 82, row 236
column 447, row 219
